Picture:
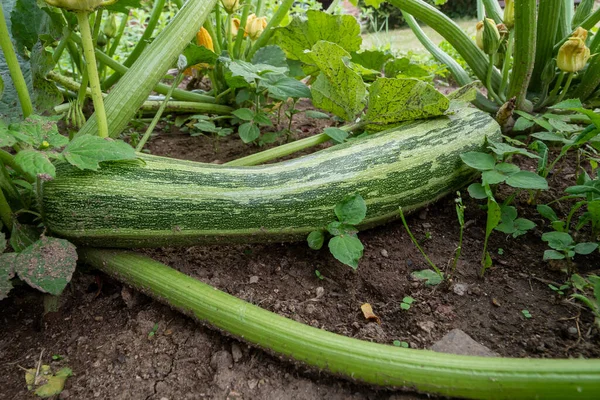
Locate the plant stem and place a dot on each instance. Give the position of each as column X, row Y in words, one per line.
column 219, row 25
column 124, row 99
column 550, row 98
column 143, row 41
column 13, row 67
column 435, row 268
column 9, row 160
column 117, row 39
column 152, row 125
column 61, row 45
column 506, row 65
column 239, row 39
column 278, row 16
column 566, row 88
column 5, row 211
column 288, row 148
column 488, row 81
column 426, row 371
column 259, row 8
column 92, row 72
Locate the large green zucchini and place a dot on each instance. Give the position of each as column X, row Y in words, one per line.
column 161, row 201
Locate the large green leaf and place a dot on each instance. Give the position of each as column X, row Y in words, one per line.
column 338, row 88
column 351, row 210
column 271, row 55
column 123, row 6
column 393, row 100
column 195, row 54
column 35, row 163
column 7, row 272
column 404, row 68
column 36, row 130
column 10, row 107
column 86, row 152
column 372, row 59
column 47, row 265
column 26, row 20
column 302, row 34
column 283, row 87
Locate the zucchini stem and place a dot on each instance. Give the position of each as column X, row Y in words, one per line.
column 92, row 72
column 5, row 211
column 159, row 113
column 13, row 67
column 276, row 19
column 379, row 364
column 288, row 148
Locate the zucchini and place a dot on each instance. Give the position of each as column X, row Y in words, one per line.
column 160, row 201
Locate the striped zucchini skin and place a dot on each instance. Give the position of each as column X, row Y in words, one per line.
column 164, row 202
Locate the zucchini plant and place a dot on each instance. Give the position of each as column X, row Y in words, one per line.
column 524, row 52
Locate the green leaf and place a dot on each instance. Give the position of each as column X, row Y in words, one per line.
column 547, row 212
column 86, row 152
column 283, row 87
column 585, row 248
column 404, row 68
column 395, row 100
column 316, row 114
column 251, row 72
column 337, row 228
column 346, row 249
column 2, row 242
column 303, row 33
column 6, row 139
column 494, row 216
column 26, row 22
column 245, row 114
column 374, row 59
column 553, row 255
column 336, row 134
column 10, row 107
column 550, row 137
column 195, row 54
column 6, row 273
column 507, row 168
column 23, row 236
column 479, row 161
column 466, row 93
column 597, row 294
column 522, row 124
column 582, row 189
column 492, row 177
column 35, row 163
column 271, row 55
column 477, row 191
column 338, row 89
column 54, row 384
column 262, row 119
column 351, row 210
column 248, row 132
column 567, row 104
column 47, row 265
column 527, row 180
column 36, row 130
column 315, row 240
column 503, row 150
column 123, row 6
column 558, row 240
column 430, row 277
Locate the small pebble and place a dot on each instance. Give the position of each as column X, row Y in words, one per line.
column 254, row 279
column 252, row 383
column 573, row 330
column 320, row 292
column 384, row 253
column 460, row 288
column 236, row 352
column 426, row 225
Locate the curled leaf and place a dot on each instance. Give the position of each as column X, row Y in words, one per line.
column 367, row 311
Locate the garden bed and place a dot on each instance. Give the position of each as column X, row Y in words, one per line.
column 122, row 345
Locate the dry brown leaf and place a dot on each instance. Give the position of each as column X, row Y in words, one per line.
column 369, row 314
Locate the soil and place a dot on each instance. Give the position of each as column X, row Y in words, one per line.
column 123, row 345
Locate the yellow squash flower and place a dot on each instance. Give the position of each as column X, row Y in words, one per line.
column 230, row 5
column 573, row 55
column 509, row 13
column 255, row 26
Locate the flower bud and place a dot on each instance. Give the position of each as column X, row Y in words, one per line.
column 255, row 26
column 101, row 40
column 493, row 35
column 230, row 5
column 509, row 13
column 203, row 39
column 573, row 55
column 503, row 44
column 110, row 26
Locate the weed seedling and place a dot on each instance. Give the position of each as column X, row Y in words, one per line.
column 412, row 238
column 152, row 333
column 406, row 303
column 399, row 343
column 526, row 314
column 319, row 275
column 344, row 244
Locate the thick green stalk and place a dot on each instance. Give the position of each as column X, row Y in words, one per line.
column 142, row 41
column 289, row 148
column 159, row 113
column 187, row 107
column 278, row 16
column 548, row 14
column 493, row 10
column 208, row 25
column 480, row 10
column 583, row 11
column 566, row 87
column 242, row 28
column 476, row 59
column 564, row 20
column 460, row 75
column 58, row 51
column 13, row 67
column 129, row 94
column 92, row 72
column 507, row 62
column 524, row 54
column 390, row 366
